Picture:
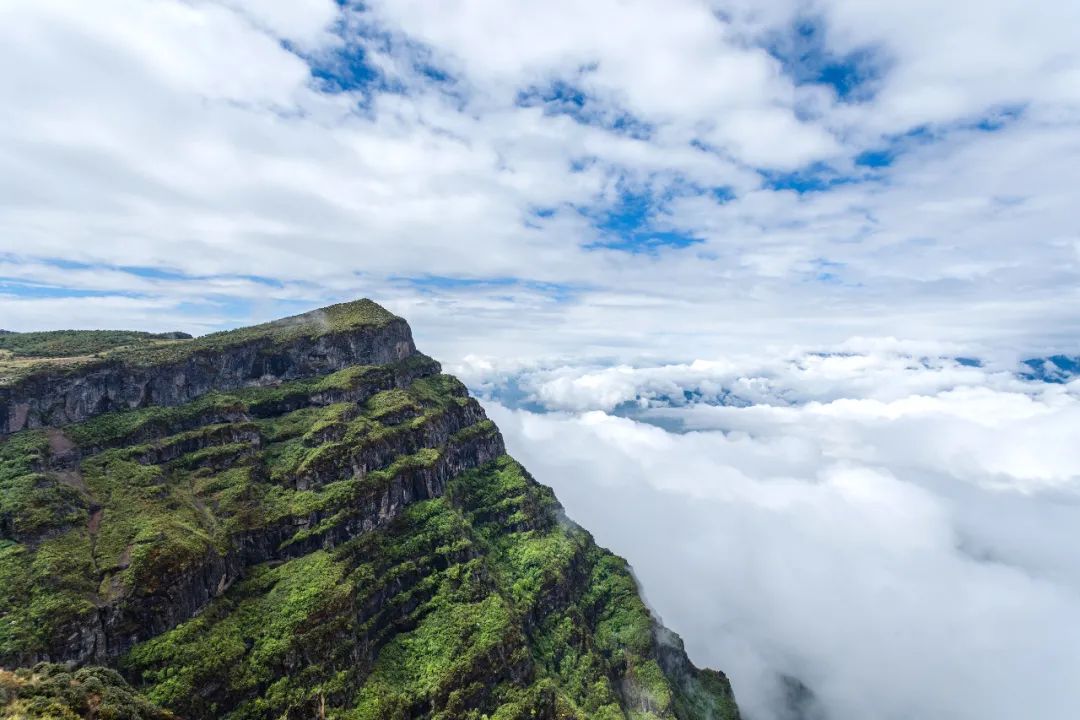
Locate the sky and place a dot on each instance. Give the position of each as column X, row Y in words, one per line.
column 755, row 276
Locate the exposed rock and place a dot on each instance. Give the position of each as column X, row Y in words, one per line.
column 304, row 346
column 306, row 518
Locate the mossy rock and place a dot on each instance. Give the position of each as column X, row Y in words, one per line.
column 349, row 545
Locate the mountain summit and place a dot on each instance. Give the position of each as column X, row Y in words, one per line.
column 301, row 519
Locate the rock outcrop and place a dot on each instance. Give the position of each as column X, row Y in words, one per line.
column 306, row 518
column 303, row 346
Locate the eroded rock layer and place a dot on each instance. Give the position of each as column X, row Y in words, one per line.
column 304, row 519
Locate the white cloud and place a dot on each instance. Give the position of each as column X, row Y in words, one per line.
column 186, row 135
column 902, row 558
column 881, row 370
column 306, row 22
column 671, row 64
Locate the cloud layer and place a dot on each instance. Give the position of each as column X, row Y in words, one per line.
column 901, row 547
column 673, row 179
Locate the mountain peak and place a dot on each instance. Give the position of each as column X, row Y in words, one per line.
column 91, row 374
column 305, row 518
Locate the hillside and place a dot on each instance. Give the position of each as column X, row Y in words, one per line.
column 303, row 519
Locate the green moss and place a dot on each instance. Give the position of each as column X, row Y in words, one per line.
column 535, row 561
column 43, row 592
column 451, row 640
column 151, row 527
column 648, row 690
column 484, row 428
column 152, row 523
column 22, row 452
column 69, row 343
column 291, row 425
column 624, row 623
column 480, row 604
column 214, row 456
column 17, row 634
column 334, row 319
column 440, row 597
column 242, row 641
column 331, row 422
column 270, row 404
column 438, row 390
column 302, row 504
column 119, row 428
column 501, row 497
column 388, row 402
column 231, row 494
column 74, row 351
column 32, row 501
column 562, row 647
column 422, row 458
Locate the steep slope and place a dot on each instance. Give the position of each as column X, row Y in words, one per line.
column 304, row 519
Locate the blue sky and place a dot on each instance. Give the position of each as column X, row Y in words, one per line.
column 817, row 237
column 810, row 172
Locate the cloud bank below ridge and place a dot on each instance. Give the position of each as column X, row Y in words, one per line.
column 895, row 536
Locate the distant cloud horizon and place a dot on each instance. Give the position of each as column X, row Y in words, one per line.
column 867, row 534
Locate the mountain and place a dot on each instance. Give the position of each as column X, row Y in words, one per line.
column 1058, row 369
column 301, row 519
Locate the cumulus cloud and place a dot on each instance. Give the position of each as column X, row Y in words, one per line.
column 900, row 557
column 614, row 180
column 880, row 369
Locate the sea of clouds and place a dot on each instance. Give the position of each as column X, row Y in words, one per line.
column 872, row 532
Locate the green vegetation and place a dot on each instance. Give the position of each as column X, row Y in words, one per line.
column 53, row 692
column 266, row 402
column 23, row 354
column 30, row 500
column 74, row 343
column 243, row 639
column 151, row 527
column 44, row 591
column 480, row 604
column 347, row 547
column 162, row 488
column 333, row 319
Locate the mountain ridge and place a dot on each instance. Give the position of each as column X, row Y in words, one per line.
column 306, row 518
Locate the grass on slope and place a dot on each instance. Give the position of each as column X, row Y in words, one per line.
column 324, row 321
column 131, row 519
column 23, row 354
column 73, row 343
column 478, row 605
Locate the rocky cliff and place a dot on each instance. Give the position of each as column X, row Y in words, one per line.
column 302, row 519
column 173, row 373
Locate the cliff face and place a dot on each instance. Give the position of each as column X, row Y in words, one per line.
column 307, row 519
column 174, row 373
